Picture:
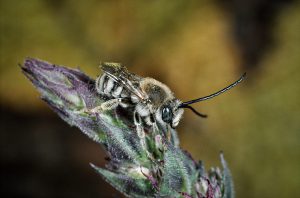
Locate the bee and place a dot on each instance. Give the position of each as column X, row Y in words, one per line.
column 153, row 102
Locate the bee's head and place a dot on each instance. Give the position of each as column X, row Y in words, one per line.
column 170, row 113
column 172, row 110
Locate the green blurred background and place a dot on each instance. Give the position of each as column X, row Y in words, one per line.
column 195, row 47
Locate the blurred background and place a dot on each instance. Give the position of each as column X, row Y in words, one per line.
column 195, row 47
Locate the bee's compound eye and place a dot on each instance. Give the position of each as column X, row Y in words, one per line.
column 167, row 114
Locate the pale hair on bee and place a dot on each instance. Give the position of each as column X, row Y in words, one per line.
column 152, row 100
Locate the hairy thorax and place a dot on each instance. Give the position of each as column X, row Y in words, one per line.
column 157, row 92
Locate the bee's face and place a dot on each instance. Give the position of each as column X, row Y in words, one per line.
column 162, row 102
column 170, row 113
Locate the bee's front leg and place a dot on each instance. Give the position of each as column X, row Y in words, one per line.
column 144, row 112
column 150, row 121
column 141, row 132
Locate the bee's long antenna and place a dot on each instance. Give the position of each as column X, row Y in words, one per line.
column 185, row 104
column 196, row 112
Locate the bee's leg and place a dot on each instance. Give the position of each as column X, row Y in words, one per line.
column 141, row 133
column 108, row 105
column 144, row 112
column 111, row 104
column 150, row 121
column 142, row 109
column 139, row 128
column 137, row 119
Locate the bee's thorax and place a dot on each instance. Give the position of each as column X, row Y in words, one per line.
column 157, row 92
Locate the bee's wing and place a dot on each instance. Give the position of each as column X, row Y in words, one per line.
column 121, row 75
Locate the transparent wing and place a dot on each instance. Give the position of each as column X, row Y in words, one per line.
column 121, row 75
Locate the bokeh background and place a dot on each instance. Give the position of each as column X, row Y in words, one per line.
column 195, row 47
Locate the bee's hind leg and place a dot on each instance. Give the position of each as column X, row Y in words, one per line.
column 108, row 105
column 111, row 104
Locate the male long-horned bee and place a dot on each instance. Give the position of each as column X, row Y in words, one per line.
column 152, row 100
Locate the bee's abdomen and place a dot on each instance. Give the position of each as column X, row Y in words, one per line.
column 110, row 88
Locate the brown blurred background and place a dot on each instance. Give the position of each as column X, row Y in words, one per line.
column 195, row 47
